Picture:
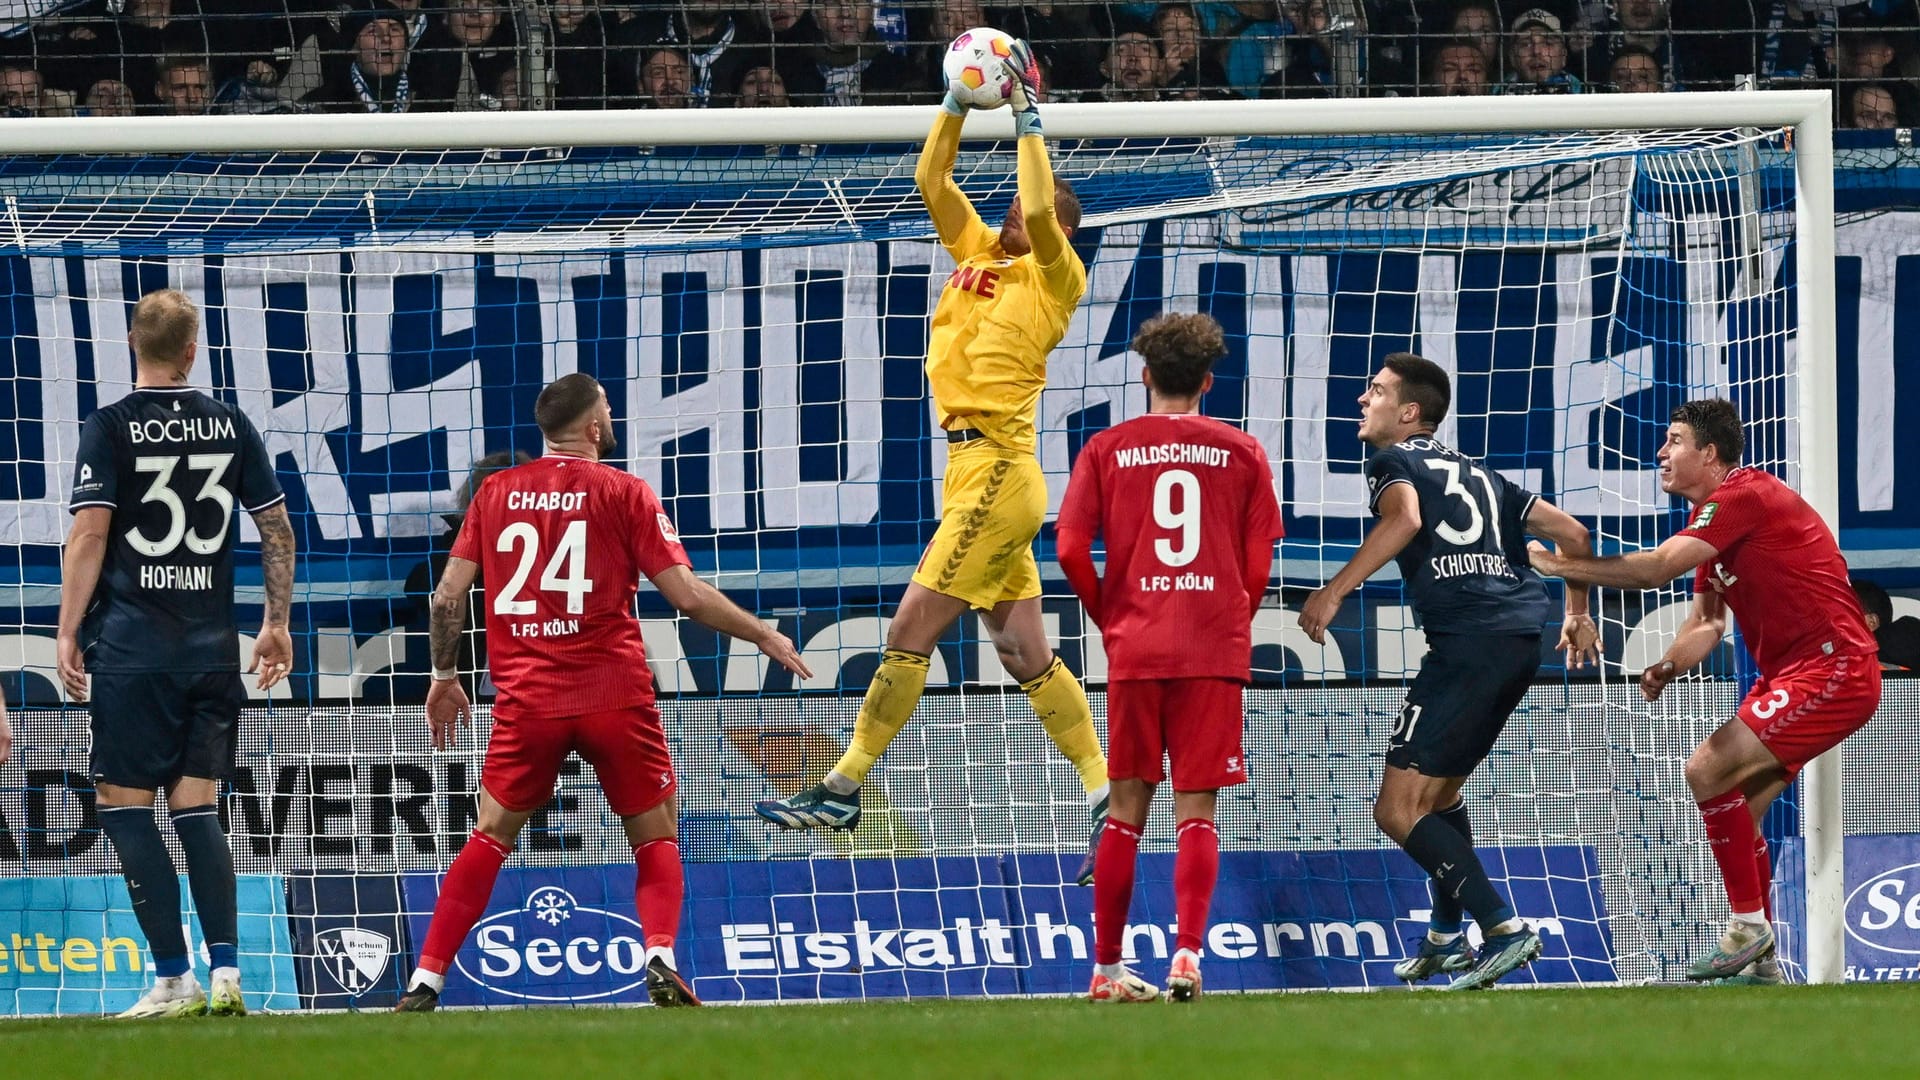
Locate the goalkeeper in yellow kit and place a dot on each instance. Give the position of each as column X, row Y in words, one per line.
column 1004, row 308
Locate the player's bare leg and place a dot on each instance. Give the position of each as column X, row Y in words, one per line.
column 463, row 898
column 834, row 803
column 1117, row 853
column 1408, row 811
column 1019, row 636
column 126, row 816
column 1196, row 868
column 1734, row 777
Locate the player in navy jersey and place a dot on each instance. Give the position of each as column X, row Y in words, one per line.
column 1185, row 506
column 1458, row 531
column 564, row 541
column 1756, row 548
column 146, row 608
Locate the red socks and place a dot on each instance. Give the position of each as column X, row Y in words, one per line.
column 1113, row 888
column 463, row 897
column 1195, row 868
column 659, row 888
column 1763, row 863
column 1731, row 833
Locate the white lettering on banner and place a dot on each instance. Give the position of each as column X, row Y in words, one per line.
column 789, row 499
column 1321, row 430
column 449, row 405
column 555, row 280
column 717, row 404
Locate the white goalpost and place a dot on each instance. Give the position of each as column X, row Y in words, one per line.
column 385, row 294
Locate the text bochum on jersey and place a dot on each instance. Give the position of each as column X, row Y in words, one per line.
column 173, row 465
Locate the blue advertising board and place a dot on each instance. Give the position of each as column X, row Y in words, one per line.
column 70, row 946
column 351, row 949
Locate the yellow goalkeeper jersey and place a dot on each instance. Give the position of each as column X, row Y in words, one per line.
column 998, row 318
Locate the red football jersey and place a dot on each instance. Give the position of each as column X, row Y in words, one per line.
column 1780, row 571
column 561, row 543
column 1179, row 499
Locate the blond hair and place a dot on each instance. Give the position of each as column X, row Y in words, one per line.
column 165, row 323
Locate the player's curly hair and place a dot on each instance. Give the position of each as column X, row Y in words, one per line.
column 564, row 401
column 1422, row 382
column 165, row 322
column 1180, row 350
column 1715, row 421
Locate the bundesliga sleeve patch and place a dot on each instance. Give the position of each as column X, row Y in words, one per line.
column 1705, row 517
column 666, row 528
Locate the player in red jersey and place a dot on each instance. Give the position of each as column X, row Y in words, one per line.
column 563, row 541
column 1185, row 505
column 1756, row 547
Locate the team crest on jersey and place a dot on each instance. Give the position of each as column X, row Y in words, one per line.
column 666, row 528
column 1705, row 517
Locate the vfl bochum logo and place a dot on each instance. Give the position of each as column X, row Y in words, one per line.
column 353, row 957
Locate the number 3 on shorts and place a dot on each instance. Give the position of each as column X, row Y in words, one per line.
column 1404, row 724
column 1772, row 703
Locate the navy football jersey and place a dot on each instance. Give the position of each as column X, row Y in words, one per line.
column 173, row 465
column 1467, row 569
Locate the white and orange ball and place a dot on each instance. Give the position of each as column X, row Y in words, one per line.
column 976, row 68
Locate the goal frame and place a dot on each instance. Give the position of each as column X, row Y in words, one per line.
column 1806, row 113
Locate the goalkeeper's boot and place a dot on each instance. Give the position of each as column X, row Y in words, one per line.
column 1127, row 988
column 1759, row 973
column 1742, row 943
column 1432, row 958
column 1183, row 976
column 224, row 999
column 666, row 988
column 818, row 807
column 422, row 998
column 179, row 995
column 1085, row 874
column 1499, row 955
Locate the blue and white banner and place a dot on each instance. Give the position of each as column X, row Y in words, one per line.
column 70, row 946
column 1883, row 908
column 350, row 940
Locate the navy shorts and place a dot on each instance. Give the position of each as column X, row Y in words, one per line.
column 152, row 728
column 1459, row 703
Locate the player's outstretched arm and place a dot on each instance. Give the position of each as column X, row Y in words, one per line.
column 1639, row 570
column 1034, row 171
column 958, row 224
column 1579, row 637
column 1697, row 638
column 1399, row 523
column 709, row 607
column 273, row 649
column 79, row 577
column 447, row 704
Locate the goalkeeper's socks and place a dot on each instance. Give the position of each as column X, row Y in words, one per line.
column 210, row 876
column 659, row 889
column 463, row 896
column 1196, row 866
column 1450, row 860
column 890, row 701
column 1113, row 889
column 1062, row 707
column 152, row 884
column 1446, row 915
column 1731, row 833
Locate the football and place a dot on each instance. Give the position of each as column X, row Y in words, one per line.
column 975, row 67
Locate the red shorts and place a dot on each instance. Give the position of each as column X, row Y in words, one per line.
column 626, row 747
column 1196, row 722
column 1805, row 712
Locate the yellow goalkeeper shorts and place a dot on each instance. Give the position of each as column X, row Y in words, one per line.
column 993, row 502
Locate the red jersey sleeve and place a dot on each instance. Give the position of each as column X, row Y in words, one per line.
column 1081, row 508
column 467, row 544
column 1729, row 516
column 1263, row 509
column 656, row 545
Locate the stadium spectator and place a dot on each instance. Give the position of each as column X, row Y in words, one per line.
column 1898, row 639
column 1635, row 70
column 1537, row 56
column 1870, row 106
column 268, row 56
column 506, row 92
column 183, row 85
column 23, row 91
column 665, row 79
column 109, row 97
column 577, row 37
column 1715, row 43
column 1182, row 68
column 377, row 77
column 1132, row 69
column 1460, row 69
column 713, row 41
column 761, row 88
column 1306, row 60
column 851, row 64
column 945, row 22
column 1478, row 21
column 1636, row 24
column 1863, row 55
column 1062, row 35
column 459, row 59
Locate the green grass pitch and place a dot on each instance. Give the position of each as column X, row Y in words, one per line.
column 1647, row 1033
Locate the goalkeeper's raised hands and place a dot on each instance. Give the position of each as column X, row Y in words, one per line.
column 1025, row 70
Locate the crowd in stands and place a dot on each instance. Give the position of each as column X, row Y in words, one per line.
column 128, row 57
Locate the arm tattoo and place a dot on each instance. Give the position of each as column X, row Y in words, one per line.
column 447, row 616
column 276, row 563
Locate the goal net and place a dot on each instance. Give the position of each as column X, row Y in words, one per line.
column 753, row 291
